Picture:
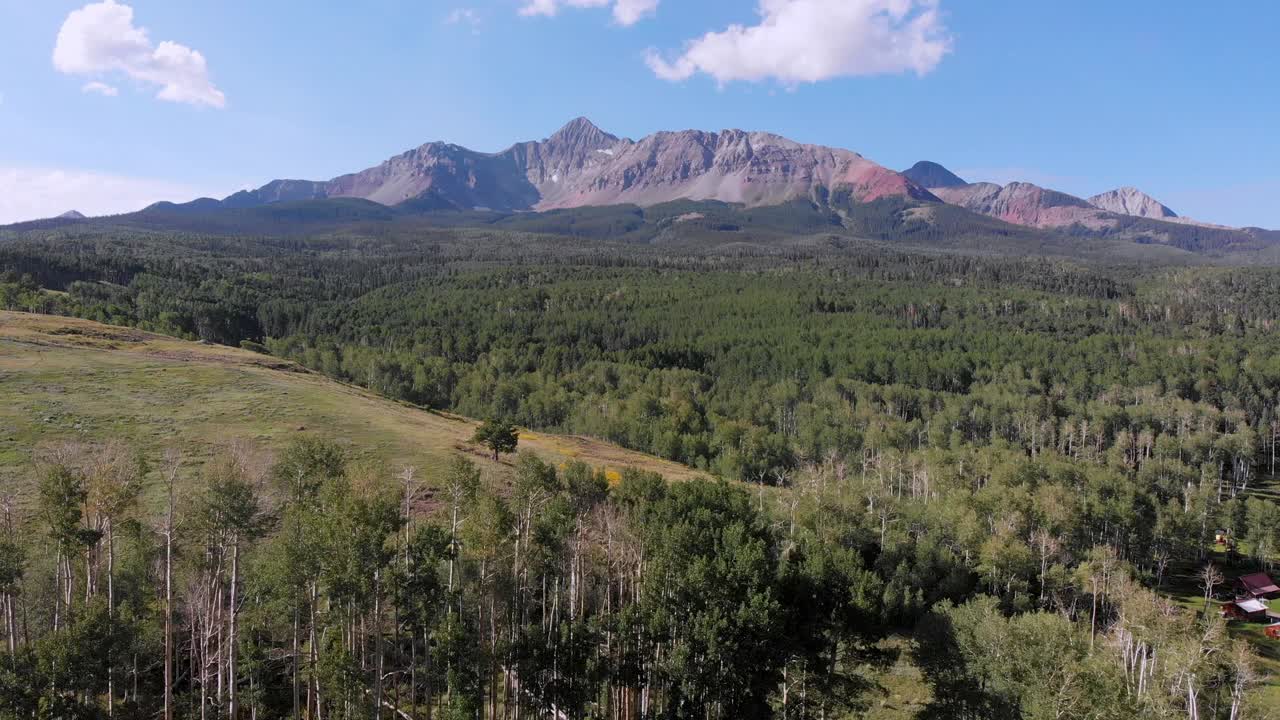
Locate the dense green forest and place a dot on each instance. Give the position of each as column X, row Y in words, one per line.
column 309, row 585
column 1014, row 460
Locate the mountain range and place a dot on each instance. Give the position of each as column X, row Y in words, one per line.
column 1026, row 204
column 581, row 166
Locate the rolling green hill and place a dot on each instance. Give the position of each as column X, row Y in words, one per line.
column 69, row 379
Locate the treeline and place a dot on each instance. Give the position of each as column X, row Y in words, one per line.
column 314, row 585
column 686, row 365
column 745, row 366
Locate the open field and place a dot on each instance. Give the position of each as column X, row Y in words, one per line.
column 68, row 379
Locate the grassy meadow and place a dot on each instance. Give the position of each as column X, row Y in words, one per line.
column 64, row 379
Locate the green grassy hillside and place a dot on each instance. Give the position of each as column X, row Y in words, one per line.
column 68, row 379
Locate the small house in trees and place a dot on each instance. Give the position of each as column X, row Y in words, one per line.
column 1249, row 609
column 1257, row 585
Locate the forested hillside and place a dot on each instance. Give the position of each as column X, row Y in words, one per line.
column 1021, row 464
column 827, row 218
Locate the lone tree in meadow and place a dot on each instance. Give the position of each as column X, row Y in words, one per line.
column 499, row 436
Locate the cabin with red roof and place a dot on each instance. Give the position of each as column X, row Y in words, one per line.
column 1257, row 585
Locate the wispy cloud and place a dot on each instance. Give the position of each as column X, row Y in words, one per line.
column 100, row 88
column 101, row 39
column 469, row 17
column 807, row 41
column 625, row 12
column 33, row 193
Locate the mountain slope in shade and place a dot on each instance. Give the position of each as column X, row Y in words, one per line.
column 581, row 165
column 1134, row 202
column 932, row 175
column 277, row 191
column 197, row 206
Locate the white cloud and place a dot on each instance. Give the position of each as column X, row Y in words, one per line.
column 806, row 41
column 465, row 16
column 625, row 12
column 34, row 193
column 629, row 12
column 101, row 38
column 100, row 88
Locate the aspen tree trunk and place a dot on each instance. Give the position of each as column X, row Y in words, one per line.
column 493, row 657
column 233, row 697
column 204, row 669
column 57, row 592
column 377, row 645
column 1093, row 617
column 220, row 649
column 406, row 511
column 397, row 649
column 219, row 654
column 11, row 627
column 90, row 581
column 313, row 688
column 26, row 621
column 191, row 655
column 68, row 581
column 296, row 650
column 453, row 545
column 111, row 614
column 168, row 608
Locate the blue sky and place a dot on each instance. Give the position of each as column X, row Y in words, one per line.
column 1181, row 99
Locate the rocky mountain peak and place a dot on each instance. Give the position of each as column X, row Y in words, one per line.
column 582, row 133
column 72, row 215
column 1132, row 201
